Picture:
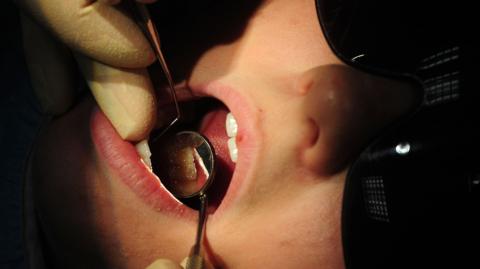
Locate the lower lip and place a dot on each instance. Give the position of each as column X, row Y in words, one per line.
column 124, row 161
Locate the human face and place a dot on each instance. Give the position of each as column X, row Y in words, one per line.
column 302, row 115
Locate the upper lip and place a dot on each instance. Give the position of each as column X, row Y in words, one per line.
column 124, row 160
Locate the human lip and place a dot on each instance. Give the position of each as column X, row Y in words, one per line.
column 247, row 137
column 124, row 161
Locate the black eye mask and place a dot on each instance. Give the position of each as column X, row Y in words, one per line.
column 411, row 197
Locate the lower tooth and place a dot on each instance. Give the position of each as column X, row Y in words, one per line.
column 144, row 151
column 232, row 149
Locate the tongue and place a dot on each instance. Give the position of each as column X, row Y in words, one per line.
column 212, row 126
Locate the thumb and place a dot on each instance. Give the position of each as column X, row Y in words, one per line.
column 98, row 30
column 126, row 96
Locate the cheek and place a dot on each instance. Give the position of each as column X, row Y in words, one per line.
column 296, row 228
column 137, row 233
column 90, row 215
column 64, row 181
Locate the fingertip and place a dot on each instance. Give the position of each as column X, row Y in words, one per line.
column 126, row 96
column 164, row 264
column 197, row 261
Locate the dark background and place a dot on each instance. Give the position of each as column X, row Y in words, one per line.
column 19, row 121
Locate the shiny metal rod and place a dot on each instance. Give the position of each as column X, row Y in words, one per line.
column 148, row 27
column 195, row 259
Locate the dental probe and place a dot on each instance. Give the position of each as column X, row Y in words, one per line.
column 144, row 20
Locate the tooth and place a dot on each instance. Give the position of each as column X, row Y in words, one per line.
column 231, row 125
column 183, row 161
column 232, row 148
column 144, row 151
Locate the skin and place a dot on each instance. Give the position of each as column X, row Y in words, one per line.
column 313, row 115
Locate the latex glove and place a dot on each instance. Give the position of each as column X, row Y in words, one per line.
column 164, row 264
column 111, row 50
column 168, row 264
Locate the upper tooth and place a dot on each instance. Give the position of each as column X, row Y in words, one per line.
column 232, row 149
column 144, row 151
column 231, row 125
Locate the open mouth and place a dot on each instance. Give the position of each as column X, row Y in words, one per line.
column 211, row 118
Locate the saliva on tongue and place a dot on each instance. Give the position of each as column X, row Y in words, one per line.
column 210, row 122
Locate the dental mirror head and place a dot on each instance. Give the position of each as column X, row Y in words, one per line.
column 186, row 164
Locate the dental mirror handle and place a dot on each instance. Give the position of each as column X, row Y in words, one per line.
column 195, row 260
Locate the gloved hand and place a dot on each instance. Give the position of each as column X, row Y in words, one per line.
column 168, row 264
column 112, row 53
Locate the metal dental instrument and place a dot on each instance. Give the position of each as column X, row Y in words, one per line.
column 200, row 156
column 144, row 20
column 190, row 169
column 204, row 162
column 195, row 259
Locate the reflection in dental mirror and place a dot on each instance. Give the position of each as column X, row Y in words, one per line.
column 186, row 163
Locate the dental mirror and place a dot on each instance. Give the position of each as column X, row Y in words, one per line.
column 186, row 164
column 187, row 169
